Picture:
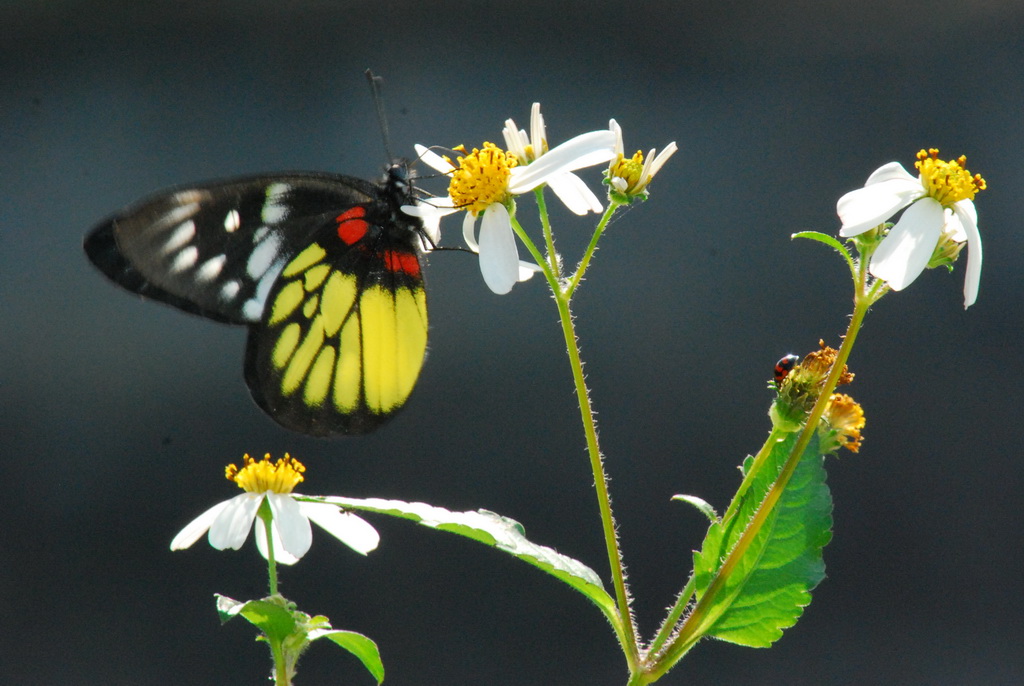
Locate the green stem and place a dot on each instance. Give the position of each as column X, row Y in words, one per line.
column 280, row 668
column 673, row 617
column 550, row 273
column 281, row 677
column 774, row 437
column 695, row 625
column 570, row 289
column 622, row 623
column 267, row 518
column 549, row 237
column 683, row 599
column 637, row 679
column 627, row 631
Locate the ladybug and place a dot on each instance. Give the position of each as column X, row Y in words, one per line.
column 783, row 367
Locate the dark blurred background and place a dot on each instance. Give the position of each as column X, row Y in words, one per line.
column 118, row 416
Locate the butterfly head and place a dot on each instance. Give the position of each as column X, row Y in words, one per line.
column 398, row 180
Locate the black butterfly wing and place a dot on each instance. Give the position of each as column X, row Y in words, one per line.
column 215, row 249
column 344, row 333
column 341, row 345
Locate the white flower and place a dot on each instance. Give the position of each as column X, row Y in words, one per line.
column 939, row 201
column 630, row 176
column 229, row 522
column 569, row 188
column 486, row 180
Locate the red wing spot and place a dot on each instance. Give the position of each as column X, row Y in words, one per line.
column 402, row 262
column 356, row 212
column 352, row 226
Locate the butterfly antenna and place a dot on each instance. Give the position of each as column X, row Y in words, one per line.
column 376, row 84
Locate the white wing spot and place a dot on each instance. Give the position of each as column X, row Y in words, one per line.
column 192, row 196
column 263, row 256
column 177, row 215
column 232, row 221
column 180, row 236
column 252, row 310
column 274, row 209
column 185, row 259
column 253, row 307
column 210, row 269
column 229, row 290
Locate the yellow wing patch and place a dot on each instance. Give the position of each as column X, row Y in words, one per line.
column 336, row 347
column 394, row 340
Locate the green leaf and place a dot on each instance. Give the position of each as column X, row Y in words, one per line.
column 361, row 646
column 271, row 618
column 771, row 584
column 227, row 607
column 821, row 238
column 704, row 506
column 496, row 531
column 829, row 241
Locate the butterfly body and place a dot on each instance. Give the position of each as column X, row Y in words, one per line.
column 324, row 269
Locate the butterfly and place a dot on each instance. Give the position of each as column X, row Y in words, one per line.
column 324, row 269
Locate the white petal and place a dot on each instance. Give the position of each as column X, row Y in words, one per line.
column 866, row 208
column 430, row 213
column 499, row 256
column 469, row 232
column 433, row 207
column 194, row 530
column 574, row 194
column 231, row 526
column 645, row 171
column 905, row 252
column 527, row 270
column 350, row 529
column 281, row 555
column 432, row 159
column 954, row 223
column 584, row 150
column 537, row 132
column 968, row 217
column 614, row 127
column 954, row 227
column 515, row 138
column 431, row 235
column 662, row 157
column 891, row 171
column 296, row 533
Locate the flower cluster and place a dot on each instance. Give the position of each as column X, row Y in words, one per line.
column 629, row 177
column 802, row 385
column 485, row 181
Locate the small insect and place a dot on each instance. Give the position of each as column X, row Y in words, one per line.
column 783, row 367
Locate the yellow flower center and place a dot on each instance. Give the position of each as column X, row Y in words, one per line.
column 531, row 155
column 629, row 169
column 259, row 477
column 947, row 182
column 481, row 178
